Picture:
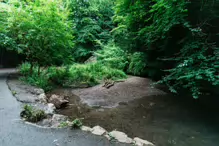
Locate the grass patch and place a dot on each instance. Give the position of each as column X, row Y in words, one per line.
column 75, row 75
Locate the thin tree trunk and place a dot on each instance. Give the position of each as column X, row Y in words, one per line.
column 31, row 68
column 38, row 70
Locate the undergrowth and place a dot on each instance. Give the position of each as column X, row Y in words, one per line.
column 69, row 76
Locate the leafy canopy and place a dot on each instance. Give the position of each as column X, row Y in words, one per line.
column 40, row 29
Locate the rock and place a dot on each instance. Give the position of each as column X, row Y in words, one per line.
column 121, row 137
column 38, row 91
column 69, row 123
column 108, row 137
column 85, row 128
column 58, row 101
column 50, row 108
column 46, row 122
column 141, row 142
column 57, row 119
column 42, row 98
column 97, row 130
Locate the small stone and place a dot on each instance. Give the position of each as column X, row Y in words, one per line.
column 121, row 137
column 85, row 128
column 42, row 98
column 50, row 108
column 141, row 142
column 97, row 130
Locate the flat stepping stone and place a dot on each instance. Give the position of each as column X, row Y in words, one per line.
column 120, row 136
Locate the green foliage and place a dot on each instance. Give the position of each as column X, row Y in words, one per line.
column 76, row 75
column 32, row 115
column 177, row 36
column 77, row 123
column 24, row 68
column 194, row 70
column 138, row 64
column 94, row 73
column 112, row 56
column 14, row 93
column 173, row 41
column 41, row 31
column 3, row 16
column 33, row 78
column 4, row 40
column 63, row 125
column 93, row 22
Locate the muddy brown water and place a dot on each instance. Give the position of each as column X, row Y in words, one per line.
column 165, row 120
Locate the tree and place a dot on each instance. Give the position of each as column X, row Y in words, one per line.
column 41, row 30
column 93, row 23
column 178, row 38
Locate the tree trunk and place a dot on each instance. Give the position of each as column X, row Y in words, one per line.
column 31, row 68
column 38, row 70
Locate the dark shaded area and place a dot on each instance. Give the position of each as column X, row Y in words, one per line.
column 10, row 58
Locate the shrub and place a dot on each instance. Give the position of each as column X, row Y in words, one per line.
column 41, row 31
column 77, row 123
column 33, row 78
column 112, row 56
column 32, row 115
column 93, row 22
column 137, row 64
column 69, row 76
column 24, row 68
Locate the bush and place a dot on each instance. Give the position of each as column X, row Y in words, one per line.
column 24, row 68
column 93, row 22
column 32, row 115
column 32, row 77
column 112, row 56
column 137, row 64
column 69, row 76
column 91, row 74
column 77, row 123
column 40, row 30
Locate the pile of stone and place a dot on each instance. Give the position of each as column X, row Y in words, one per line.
column 53, row 102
